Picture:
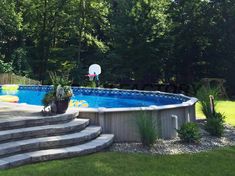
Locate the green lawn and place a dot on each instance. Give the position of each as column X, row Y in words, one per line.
column 213, row 163
column 226, row 107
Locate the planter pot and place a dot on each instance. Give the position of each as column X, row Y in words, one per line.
column 62, row 106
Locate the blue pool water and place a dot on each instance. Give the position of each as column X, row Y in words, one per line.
column 98, row 98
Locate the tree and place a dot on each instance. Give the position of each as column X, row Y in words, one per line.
column 137, row 36
column 136, row 40
column 10, row 24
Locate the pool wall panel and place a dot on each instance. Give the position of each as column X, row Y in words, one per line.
column 123, row 124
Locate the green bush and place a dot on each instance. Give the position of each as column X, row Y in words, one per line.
column 215, row 125
column 147, row 129
column 189, row 133
column 203, row 96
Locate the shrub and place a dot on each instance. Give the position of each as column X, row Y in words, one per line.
column 203, row 96
column 215, row 125
column 189, row 133
column 147, row 129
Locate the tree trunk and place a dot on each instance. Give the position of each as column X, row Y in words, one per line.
column 42, row 45
column 81, row 29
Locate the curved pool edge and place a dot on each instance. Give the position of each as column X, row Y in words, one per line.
column 190, row 102
column 149, row 108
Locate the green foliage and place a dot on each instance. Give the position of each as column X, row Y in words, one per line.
column 91, row 84
column 48, row 99
column 10, row 24
column 60, row 59
column 189, row 133
column 215, row 124
column 203, row 96
column 20, row 62
column 214, row 120
column 5, row 67
column 10, row 20
column 181, row 41
column 62, row 80
column 147, row 129
column 137, row 34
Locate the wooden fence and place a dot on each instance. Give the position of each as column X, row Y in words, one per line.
column 9, row 78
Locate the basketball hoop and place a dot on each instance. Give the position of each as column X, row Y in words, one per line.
column 94, row 72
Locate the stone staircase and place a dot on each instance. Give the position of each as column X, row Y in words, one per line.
column 25, row 140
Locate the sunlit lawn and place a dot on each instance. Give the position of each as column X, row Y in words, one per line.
column 226, row 107
column 212, row 163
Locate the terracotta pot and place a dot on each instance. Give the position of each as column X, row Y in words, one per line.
column 62, row 106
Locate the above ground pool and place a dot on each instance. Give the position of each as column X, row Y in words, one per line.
column 117, row 111
column 96, row 98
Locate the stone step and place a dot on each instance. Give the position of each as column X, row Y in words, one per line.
column 35, row 119
column 44, row 155
column 41, row 131
column 14, row 147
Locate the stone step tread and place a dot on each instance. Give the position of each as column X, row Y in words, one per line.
column 71, row 123
column 88, row 133
column 36, row 119
column 22, row 132
column 92, row 146
column 36, row 116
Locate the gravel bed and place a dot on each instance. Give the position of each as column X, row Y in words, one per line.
column 168, row 147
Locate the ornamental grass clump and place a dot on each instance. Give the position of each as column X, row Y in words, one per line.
column 203, row 95
column 147, row 129
column 189, row 133
column 215, row 124
column 214, row 120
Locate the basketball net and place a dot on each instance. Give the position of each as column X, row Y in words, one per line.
column 91, row 77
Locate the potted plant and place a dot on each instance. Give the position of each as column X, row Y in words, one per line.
column 63, row 95
column 58, row 99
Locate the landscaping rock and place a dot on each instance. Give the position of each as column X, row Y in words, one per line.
column 169, row 147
